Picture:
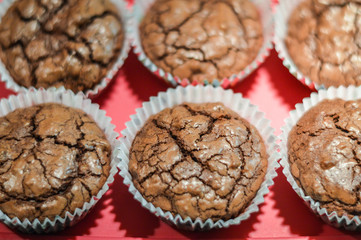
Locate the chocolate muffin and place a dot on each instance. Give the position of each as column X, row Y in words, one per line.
column 323, row 41
column 201, row 39
column 57, row 43
column 53, row 159
column 324, row 154
column 198, row 160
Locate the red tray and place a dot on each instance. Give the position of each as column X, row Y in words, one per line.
column 118, row 215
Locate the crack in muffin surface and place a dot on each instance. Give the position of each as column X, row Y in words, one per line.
column 198, row 160
column 53, row 159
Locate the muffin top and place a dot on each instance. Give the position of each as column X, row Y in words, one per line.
column 324, row 153
column 198, row 160
column 202, row 39
column 324, row 41
column 60, row 43
column 53, row 158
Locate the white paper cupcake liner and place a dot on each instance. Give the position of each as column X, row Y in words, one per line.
column 67, row 98
column 125, row 16
column 346, row 93
column 283, row 12
column 265, row 9
column 200, row 94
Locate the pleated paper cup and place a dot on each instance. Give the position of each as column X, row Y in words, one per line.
column 283, row 12
column 264, row 8
column 346, row 93
column 68, row 98
column 124, row 13
column 200, row 94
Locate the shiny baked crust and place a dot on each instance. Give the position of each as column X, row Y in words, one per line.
column 324, row 153
column 53, row 159
column 324, row 41
column 198, row 160
column 202, row 39
column 70, row 43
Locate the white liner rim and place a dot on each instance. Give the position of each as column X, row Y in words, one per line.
column 68, row 98
column 268, row 31
column 346, row 93
column 90, row 93
column 283, row 11
column 198, row 94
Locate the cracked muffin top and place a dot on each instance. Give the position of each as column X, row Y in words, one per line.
column 53, row 159
column 202, row 39
column 324, row 41
column 70, row 43
column 198, row 160
column 324, row 153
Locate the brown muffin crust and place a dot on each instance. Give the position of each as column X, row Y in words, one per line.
column 324, row 153
column 198, row 160
column 202, row 39
column 324, row 41
column 70, row 43
column 53, row 158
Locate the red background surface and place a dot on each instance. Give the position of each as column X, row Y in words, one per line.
column 118, row 215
